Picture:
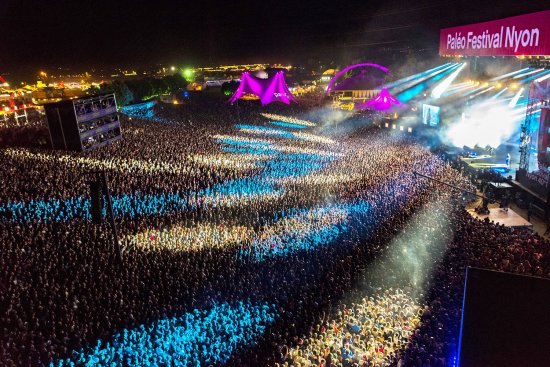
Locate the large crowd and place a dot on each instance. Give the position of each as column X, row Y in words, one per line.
column 250, row 236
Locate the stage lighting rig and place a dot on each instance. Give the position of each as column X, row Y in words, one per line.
column 540, row 63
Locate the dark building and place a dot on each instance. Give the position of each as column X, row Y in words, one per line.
column 84, row 123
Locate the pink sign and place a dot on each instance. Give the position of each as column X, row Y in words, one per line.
column 527, row 34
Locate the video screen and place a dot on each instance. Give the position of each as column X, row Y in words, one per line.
column 431, row 115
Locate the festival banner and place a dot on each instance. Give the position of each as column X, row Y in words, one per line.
column 527, row 35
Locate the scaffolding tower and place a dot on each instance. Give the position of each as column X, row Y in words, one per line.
column 526, row 138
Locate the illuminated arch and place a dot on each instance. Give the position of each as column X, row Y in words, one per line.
column 355, row 66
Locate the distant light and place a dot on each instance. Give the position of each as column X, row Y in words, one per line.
column 188, row 73
column 173, row 68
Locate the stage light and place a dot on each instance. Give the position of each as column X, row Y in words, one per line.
column 514, row 86
column 413, row 88
column 459, row 88
column 500, row 93
column 543, row 78
column 482, row 92
column 534, row 77
column 528, row 73
column 492, row 123
column 173, row 68
column 509, row 74
column 438, row 91
column 515, row 100
column 416, row 76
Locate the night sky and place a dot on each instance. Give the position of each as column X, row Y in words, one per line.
column 105, row 33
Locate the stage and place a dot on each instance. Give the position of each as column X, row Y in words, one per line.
column 490, row 162
column 508, row 219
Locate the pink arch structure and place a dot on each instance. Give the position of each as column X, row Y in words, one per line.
column 345, row 70
column 269, row 90
column 383, row 102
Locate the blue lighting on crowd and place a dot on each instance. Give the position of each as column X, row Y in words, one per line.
column 279, row 166
column 239, row 188
column 141, row 110
column 127, row 204
column 201, row 337
column 255, row 151
column 288, row 124
column 243, row 143
column 293, row 241
column 278, row 169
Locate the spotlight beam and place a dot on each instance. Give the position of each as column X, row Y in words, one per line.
column 500, row 93
column 543, row 78
column 483, row 91
column 535, row 77
column 438, row 91
column 415, row 76
column 509, row 74
column 528, row 73
column 421, row 79
column 515, row 100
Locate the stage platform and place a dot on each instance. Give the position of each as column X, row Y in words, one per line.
column 485, row 161
column 508, row 219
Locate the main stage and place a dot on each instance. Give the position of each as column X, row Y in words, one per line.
column 485, row 161
column 507, row 218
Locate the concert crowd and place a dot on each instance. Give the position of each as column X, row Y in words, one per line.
column 244, row 243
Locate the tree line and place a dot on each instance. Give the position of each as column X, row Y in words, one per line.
column 138, row 90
